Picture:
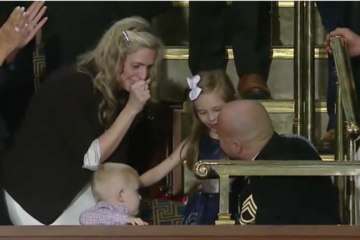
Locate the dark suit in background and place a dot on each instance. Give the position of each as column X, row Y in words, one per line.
column 251, row 42
column 75, row 27
column 333, row 15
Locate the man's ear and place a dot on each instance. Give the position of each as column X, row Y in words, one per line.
column 238, row 147
column 120, row 195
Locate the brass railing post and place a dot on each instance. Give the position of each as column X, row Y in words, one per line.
column 340, row 182
column 309, row 78
column 352, row 195
column 298, row 66
column 224, row 216
column 348, row 101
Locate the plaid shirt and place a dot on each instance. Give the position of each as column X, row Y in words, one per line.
column 104, row 213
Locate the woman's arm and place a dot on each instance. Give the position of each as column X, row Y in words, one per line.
column 110, row 139
column 3, row 54
column 102, row 147
column 160, row 171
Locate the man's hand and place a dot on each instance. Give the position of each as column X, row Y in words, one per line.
column 136, row 221
column 352, row 39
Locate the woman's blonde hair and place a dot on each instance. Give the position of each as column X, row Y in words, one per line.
column 211, row 81
column 109, row 174
column 124, row 37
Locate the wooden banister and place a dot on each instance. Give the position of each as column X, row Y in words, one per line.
column 181, row 232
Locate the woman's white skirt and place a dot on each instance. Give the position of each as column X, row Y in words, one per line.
column 70, row 216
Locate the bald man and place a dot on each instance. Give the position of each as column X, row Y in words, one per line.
column 246, row 133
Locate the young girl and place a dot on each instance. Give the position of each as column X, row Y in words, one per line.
column 209, row 91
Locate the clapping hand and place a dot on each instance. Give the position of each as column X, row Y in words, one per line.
column 21, row 27
column 35, row 22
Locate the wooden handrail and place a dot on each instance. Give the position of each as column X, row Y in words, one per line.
column 177, row 232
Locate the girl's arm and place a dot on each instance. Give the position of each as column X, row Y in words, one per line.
column 160, row 171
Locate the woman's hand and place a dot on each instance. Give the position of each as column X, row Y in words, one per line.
column 12, row 31
column 139, row 95
column 352, row 39
column 35, row 22
column 20, row 29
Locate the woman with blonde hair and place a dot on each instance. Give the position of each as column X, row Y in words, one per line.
column 79, row 119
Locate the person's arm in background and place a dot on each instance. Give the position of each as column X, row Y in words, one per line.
column 352, row 39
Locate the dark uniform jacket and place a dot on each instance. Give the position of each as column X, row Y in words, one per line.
column 289, row 200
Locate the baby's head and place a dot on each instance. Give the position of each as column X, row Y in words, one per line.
column 117, row 183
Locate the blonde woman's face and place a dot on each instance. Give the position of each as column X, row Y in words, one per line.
column 137, row 67
column 207, row 108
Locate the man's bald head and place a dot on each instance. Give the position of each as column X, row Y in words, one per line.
column 245, row 120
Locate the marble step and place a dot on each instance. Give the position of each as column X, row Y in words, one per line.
column 283, row 124
column 280, row 81
column 182, row 53
column 282, row 4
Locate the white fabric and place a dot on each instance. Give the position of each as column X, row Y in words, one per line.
column 70, row 216
column 194, row 89
column 92, row 156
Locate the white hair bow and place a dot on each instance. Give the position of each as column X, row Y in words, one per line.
column 194, row 89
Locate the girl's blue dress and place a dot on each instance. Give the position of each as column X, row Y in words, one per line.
column 202, row 208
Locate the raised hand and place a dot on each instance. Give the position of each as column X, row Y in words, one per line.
column 13, row 30
column 139, row 95
column 20, row 28
column 35, row 21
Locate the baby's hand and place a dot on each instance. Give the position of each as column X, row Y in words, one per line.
column 136, row 221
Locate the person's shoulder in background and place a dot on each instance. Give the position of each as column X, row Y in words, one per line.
column 297, row 147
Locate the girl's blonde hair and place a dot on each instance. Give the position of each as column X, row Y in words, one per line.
column 124, row 37
column 211, row 81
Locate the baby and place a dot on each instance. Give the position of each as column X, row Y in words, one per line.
column 115, row 188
